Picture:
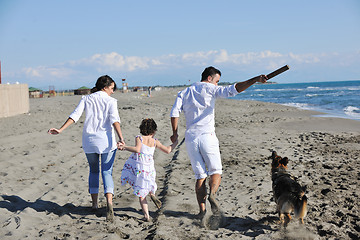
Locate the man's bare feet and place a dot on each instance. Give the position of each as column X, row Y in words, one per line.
column 214, row 204
column 200, row 215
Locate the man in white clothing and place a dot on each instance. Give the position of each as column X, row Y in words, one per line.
column 198, row 104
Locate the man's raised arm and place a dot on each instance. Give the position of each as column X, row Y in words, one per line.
column 241, row 86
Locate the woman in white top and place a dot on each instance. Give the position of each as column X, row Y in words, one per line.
column 98, row 140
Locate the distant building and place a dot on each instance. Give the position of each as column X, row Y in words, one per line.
column 82, row 91
column 35, row 92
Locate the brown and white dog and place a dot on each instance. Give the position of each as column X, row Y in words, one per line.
column 288, row 194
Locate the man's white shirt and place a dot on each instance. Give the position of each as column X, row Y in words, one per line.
column 198, row 104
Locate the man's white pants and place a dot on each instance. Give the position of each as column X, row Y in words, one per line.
column 203, row 152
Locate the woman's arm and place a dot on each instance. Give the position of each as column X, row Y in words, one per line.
column 118, row 131
column 74, row 117
column 166, row 149
column 54, row 131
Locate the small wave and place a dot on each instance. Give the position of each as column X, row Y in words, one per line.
column 353, row 88
column 310, row 87
column 312, row 95
column 352, row 111
column 278, row 90
column 340, row 88
column 299, row 105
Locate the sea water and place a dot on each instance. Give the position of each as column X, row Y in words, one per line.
column 335, row 99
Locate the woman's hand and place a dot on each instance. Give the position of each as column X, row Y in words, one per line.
column 121, row 145
column 54, row 131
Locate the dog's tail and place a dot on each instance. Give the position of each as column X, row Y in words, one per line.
column 301, row 208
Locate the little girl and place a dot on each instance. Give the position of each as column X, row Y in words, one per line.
column 139, row 170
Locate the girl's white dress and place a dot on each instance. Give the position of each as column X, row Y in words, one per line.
column 139, row 171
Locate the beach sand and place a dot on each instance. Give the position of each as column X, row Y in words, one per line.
column 43, row 178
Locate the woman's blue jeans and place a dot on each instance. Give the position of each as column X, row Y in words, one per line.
column 107, row 162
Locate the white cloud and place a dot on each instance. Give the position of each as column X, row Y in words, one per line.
column 46, row 72
column 32, row 72
column 114, row 64
column 223, row 56
column 306, row 58
column 266, row 59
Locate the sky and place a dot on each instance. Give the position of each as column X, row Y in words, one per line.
column 69, row 44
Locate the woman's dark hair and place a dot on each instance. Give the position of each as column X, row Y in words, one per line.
column 209, row 71
column 103, row 81
column 148, row 126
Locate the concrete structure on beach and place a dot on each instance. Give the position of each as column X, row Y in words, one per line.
column 14, row 99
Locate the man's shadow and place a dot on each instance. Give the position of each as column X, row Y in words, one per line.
column 249, row 226
column 14, row 203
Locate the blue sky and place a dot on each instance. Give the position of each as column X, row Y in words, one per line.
column 70, row 44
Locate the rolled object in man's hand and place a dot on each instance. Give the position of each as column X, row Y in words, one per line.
column 278, row 71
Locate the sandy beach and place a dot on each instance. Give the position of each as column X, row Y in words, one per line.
column 44, row 178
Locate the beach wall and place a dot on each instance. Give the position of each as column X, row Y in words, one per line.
column 14, row 99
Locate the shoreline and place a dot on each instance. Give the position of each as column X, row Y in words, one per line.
column 43, row 178
column 332, row 99
column 321, row 113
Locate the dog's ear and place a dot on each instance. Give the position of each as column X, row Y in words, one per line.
column 273, row 155
column 284, row 161
column 275, row 162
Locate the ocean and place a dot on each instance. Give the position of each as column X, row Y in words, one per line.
column 335, row 99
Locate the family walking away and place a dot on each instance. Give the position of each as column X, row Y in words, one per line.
column 99, row 143
column 98, row 139
column 198, row 104
column 139, row 170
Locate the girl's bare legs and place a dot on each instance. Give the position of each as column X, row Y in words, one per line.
column 145, row 208
column 156, row 201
